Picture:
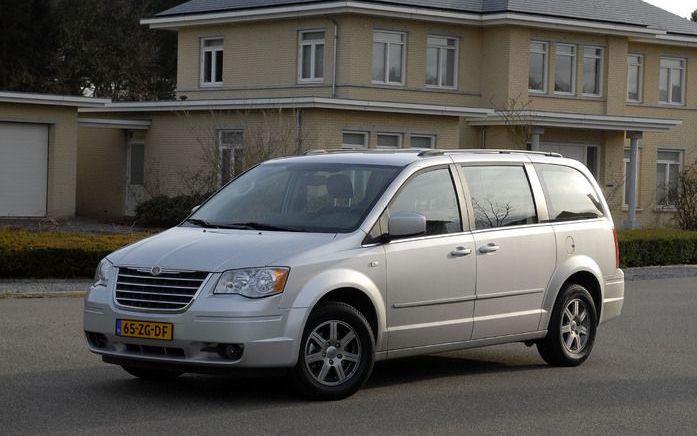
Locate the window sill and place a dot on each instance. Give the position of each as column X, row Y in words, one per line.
column 310, row 81
column 666, row 210
column 390, row 84
column 211, row 85
column 441, row 88
column 567, row 96
column 625, row 208
column 666, row 104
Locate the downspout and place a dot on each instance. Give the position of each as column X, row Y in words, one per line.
column 336, row 40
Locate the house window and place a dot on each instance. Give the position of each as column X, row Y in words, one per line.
column 423, row 141
column 565, row 72
column 672, row 81
column 668, row 166
column 592, row 71
column 212, row 61
column 389, row 140
column 388, row 57
column 311, row 55
column 537, row 80
column 354, row 139
column 441, row 63
column 231, row 146
column 625, row 197
column 586, row 154
column 635, row 65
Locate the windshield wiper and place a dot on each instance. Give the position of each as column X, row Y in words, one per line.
column 261, row 226
column 202, row 223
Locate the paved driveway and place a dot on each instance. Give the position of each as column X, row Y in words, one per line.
column 642, row 377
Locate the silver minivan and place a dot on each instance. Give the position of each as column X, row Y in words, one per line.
column 326, row 263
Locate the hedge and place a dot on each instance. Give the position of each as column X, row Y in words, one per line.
column 28, row 254
column 163, row 211
column 657, row 247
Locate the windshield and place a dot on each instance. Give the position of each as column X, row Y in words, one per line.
column 310, row 197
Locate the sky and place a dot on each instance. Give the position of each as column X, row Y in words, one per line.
column 683, row 8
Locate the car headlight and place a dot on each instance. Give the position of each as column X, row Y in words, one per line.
column 253, row 282
column 103, row 273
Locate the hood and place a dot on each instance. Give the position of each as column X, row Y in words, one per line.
column 217, row 250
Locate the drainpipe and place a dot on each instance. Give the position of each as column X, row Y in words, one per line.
column 634, row 138
column 336, row 40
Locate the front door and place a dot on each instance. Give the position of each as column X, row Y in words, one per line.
column 135, row 176
column 430, row 279
column 516, row 255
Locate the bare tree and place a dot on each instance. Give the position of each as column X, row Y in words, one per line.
column 494, row 214
column 683, row 197
column 517, row 121
column 263, row 135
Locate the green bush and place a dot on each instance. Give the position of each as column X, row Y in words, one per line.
column 163, row 211
column 27, row 254
column 657, row 247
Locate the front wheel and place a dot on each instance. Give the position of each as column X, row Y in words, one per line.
column 336, row 353
column 571, row 332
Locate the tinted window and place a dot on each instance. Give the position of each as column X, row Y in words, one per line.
column 303, row 197
column 569, row 194
column 501, row 196
column 431, row 194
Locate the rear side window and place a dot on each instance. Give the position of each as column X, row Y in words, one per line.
column 501, row 196
column 569, row 194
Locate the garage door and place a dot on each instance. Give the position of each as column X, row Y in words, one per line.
column 23, row 169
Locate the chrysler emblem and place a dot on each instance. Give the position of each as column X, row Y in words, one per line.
column 156, row 271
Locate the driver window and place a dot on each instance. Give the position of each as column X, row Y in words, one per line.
column 431, row 194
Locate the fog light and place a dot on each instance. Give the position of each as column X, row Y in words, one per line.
column 97, row 340
column 231, row 351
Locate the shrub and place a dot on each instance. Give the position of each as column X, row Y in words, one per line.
column 163, row 211
column 657, row 247
column 28, row 254
column 685, row 198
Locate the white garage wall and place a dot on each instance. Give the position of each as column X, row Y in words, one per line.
column 23, row 169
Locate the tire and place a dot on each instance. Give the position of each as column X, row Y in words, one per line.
column 572, row 327
column 152, row 374
column 324, row 370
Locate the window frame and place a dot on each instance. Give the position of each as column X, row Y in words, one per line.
column 433, row 138
column 366, row 136
column 600, row 59
column 668, row 163
column 403, row 44
column 536, row 193
column 640, row 76
column 213, row 50
column 399, row 136
column 574, row 67
column 222, row 147
column 444, row 49
column 313, row 53
column 545, row 68
column 683, row 69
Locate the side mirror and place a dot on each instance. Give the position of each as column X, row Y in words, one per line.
column 195, row 208
column 406, row 224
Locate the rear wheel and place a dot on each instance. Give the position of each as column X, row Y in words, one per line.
column 572, row 328
column 336, row 353
column 152, row 374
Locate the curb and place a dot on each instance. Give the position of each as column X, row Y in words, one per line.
column 660, row 272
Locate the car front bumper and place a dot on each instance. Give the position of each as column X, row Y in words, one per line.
column 268, row 336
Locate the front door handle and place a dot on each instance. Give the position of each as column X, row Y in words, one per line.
column 461, row 251
column 489, row 248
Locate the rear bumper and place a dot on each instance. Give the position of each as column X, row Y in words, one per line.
column 268, row 336
column 613, row 298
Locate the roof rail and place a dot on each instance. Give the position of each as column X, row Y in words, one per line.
column 362, row 150
column 441, row 152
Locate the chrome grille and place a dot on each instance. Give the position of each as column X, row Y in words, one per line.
column 167, row 291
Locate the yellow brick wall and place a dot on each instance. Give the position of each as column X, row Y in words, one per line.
column 62, row 150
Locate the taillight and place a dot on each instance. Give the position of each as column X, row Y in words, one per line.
column 617, row 248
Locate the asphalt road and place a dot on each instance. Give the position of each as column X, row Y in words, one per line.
column 641, row 378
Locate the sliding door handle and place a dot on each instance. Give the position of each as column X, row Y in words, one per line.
column 489, row 248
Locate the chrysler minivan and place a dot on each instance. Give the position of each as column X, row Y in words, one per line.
column 325, row 263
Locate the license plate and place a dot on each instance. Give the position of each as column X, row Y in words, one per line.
column 144, row 329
